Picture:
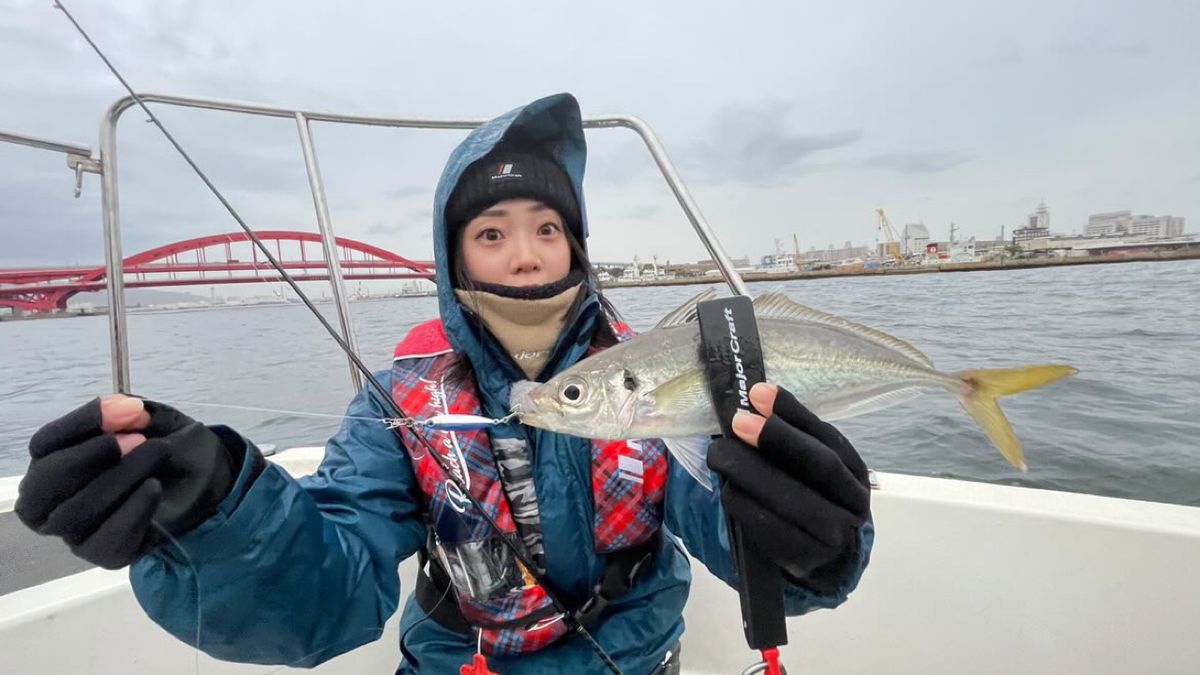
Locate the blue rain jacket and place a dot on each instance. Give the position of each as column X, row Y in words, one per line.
column 298, row 571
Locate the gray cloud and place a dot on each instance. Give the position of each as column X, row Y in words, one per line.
column 259, row 168
column 985, row 83
column 752, row 144
column 1130, row 50
column 16, row 35
column 1001, row 55
column 43, row 225
column 914, row 161
column 643, row 212
column 409, row 227
column 621, row 164
column 381, row 227
column 415, row 227
column 409, row 191
column 1104, row 44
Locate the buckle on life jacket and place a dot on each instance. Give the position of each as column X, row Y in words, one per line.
column 619, row 573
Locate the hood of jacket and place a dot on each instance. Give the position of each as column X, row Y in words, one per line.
column 554, row 123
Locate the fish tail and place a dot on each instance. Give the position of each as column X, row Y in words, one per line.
column 984, row 388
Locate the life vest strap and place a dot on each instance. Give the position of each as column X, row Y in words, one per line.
column 621, row 568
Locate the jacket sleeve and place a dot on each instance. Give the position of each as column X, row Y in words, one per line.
column 294, row 571
column 695, row 515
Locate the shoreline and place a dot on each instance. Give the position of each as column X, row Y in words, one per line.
column 988, row 266
column 141, row 309
column 750, row 277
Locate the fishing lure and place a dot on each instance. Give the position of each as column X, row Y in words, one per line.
column 450, row 422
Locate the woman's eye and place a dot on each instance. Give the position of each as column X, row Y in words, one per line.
column 548, row 229
column 490, row 234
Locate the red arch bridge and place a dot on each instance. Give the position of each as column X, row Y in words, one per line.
column 215, row 259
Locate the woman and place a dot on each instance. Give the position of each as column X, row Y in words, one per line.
column 298, row 571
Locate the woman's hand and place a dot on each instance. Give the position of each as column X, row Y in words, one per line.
column 99, row 475
column 801, row 496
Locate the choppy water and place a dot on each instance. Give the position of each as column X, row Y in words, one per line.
column 1126, row 426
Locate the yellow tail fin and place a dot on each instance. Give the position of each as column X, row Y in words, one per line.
column 985, row 386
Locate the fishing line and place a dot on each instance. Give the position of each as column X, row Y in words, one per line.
column 196, row 580
column 428, row 616
column 187, row 559
column 449, row 422
column 296, row 413
column 385, row 398
column 301, row 663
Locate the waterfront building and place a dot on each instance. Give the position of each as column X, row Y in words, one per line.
column 1115, row 223
column 847, row 252
column 1039, row 219
column 954, row 251
column 987, row 247
column 702, row 267
column 1107, row 224
column 777, row 263
column 1035, row 234
column 915, row 237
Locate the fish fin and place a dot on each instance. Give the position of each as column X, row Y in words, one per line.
column 692, row 453
column 681, row 393
column 838, row 410
column 780, row 306
column 986, row 386
column 686, row 313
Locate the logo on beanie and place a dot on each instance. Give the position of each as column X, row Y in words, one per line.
column 505, row 171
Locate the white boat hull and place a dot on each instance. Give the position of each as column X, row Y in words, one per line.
column 964, row 578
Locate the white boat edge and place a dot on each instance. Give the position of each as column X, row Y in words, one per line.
column 965, row 577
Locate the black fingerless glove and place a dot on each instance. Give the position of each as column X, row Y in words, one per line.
column 800, row 497
column 79, row 487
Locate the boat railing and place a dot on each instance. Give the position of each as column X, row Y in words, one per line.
column 80, row 160
column 79, row 157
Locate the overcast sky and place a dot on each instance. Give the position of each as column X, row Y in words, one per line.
column 783, row 117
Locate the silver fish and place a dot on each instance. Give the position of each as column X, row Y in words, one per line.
column 653, row 385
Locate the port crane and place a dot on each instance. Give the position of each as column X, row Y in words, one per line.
column 891, row 244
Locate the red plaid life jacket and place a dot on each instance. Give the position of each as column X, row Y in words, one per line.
column 513, row 614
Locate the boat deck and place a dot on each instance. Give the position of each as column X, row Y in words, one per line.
column 965, row 577
column 30, row 559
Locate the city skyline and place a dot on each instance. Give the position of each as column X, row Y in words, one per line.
column 787, row 246
column 804, row 122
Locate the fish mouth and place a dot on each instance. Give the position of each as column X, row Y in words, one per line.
column 523, row 402
column 530, row 418
column 520, row 395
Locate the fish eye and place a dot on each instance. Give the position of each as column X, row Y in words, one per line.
column 574, row 392
column 630, row 381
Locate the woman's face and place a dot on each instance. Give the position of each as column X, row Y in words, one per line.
column 516, row 242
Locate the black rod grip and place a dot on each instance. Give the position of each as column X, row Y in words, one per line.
column 732, row 353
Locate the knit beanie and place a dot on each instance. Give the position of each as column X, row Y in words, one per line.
column 511, row 174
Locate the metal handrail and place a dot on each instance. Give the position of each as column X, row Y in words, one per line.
column 111, row 201
column 328, row 244
column 35, row 142
column 79, row 157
